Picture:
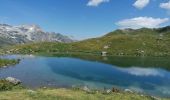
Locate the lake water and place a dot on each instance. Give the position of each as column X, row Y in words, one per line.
column 145, row 75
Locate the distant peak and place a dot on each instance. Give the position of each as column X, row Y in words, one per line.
column 32, row 27
column 5, row 25
column 30, row 33
column 127, row 30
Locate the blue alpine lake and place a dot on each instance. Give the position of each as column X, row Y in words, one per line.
column 144, row 75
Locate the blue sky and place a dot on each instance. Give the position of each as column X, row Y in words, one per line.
column 86, row 18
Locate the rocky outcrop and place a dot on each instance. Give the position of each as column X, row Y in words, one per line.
column 13, row 80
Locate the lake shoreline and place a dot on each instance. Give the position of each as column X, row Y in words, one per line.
column 32, row 57
column 4, row 63
column 79, row 53
column 10, row 87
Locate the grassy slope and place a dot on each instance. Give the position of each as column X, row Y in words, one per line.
column 141, row 42
column 66, row 94
column 130, row 43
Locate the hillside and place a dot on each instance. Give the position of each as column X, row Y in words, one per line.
column 127, row 42
column 10, row 35
column 141, row 42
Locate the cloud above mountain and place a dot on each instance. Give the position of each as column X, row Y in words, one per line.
column 96, row 3
column 140, row 4
column 140, row 22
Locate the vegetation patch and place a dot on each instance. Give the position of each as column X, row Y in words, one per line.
column 6, row 85
column 8, row 62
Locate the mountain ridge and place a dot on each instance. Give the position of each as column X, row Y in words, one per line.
column 29, row 33
column 140, row 42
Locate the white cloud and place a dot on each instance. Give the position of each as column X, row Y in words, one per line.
column 140, row 4
column 165, row 5
column 96, row 2
column 140, row 22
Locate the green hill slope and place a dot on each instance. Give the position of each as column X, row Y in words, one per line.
column 127, row 42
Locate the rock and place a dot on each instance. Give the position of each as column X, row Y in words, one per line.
column 115, row 90
column 104, row 53
column 5, row 66
column 13, row 80
column 108, row 91
column 85, row 88
column 128, row 90
column 31, row 91
column 106, row 47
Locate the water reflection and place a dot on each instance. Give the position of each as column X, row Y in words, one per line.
column 136, row 78
column 144, row 71
column 144, row 62
column 94, row 71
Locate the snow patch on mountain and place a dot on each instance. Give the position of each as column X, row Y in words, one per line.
column 30, row 33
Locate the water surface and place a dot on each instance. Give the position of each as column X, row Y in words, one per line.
column 95, row 72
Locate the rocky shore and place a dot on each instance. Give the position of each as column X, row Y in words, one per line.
column 10, row 85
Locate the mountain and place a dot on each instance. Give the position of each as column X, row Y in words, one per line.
column 131, row 42
column 122, row 42
column 28, row 33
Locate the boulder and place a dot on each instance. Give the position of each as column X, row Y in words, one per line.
column 115, row 90
column 5, row 66
column 108, row 91
column 85, row 88
column 104, row 53
column 128, row 90
column 106, row 47
column 13, row 80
